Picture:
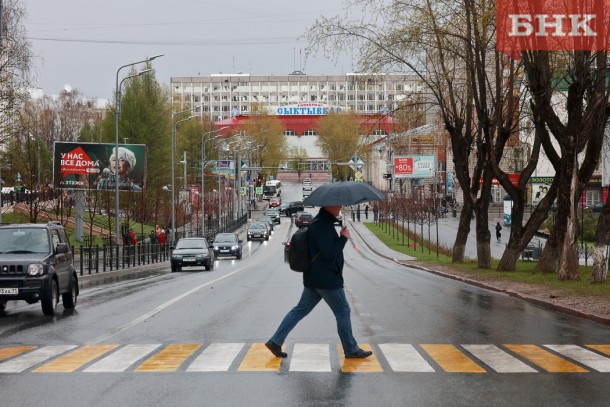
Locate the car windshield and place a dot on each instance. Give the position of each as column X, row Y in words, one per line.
column 225, row 239
column 191, row 244
column 258, row 226
column 24, row 240
column 306, row 216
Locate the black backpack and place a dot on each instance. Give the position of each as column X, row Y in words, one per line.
column 297, row 251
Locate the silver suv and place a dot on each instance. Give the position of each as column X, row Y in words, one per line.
column 36, row 265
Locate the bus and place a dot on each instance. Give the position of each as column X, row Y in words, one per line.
column 272, row 189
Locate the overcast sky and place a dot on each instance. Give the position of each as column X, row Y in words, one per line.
column 82, row 43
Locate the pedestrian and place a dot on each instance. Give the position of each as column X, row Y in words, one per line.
column 375, row 212
column 366, row 211
column 358, row 213
column 498, row 232
column 323, row 281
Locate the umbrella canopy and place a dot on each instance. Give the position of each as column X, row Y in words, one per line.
column 343, row 193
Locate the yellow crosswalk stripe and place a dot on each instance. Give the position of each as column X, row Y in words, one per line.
column 546, row 360
column 451, row 359
column 605, row 349
column 6, row 353
column 75, row 359
column 169, row 358
column 259, row 359
column 366, row 365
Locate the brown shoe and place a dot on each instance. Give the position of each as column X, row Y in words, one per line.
column 276, row 349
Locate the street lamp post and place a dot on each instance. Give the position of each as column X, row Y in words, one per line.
column 203, row 142
column 174, row 124
column 116, row 134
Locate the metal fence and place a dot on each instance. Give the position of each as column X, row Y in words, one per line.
column 93, row 259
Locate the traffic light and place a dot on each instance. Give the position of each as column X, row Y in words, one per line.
column 259, row 181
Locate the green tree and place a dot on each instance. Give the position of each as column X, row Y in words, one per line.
column 297, row 159
column 339, row 138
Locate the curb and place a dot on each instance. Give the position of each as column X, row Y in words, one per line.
column 532, row 300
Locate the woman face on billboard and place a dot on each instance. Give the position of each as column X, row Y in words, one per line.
column 125, row 163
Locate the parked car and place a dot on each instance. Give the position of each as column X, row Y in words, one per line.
column 228, row 244
column 307, row 184
column 274, row 214
column 275, row 202
column 294, row 207
column 36, row 265
column 192, row 252
column 257, row 230
column 303, row 219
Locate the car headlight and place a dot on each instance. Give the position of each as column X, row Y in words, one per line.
column 215, row 247
column 176, row 256
column 35, row 269
column 234, row 247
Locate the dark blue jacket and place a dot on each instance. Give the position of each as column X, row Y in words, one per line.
column 327, row 268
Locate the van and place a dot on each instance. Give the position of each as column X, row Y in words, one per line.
column 272, row 189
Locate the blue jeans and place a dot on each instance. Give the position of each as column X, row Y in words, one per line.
column 337, row 302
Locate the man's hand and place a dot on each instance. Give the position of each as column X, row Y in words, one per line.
column 345, row 232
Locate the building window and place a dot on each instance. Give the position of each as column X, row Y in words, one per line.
column 310, row 132
column 289, row 132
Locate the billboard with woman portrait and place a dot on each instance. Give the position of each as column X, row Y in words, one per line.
column 85, row 166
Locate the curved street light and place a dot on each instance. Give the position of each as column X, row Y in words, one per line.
column 174, row 124
column 116, row 134
column 203, row 142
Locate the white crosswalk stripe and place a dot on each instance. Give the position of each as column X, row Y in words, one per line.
column 303, row 357
column 310, row 357
column 404, row 358
column 584, row 356
column 33, row 358
column 122, row 359
column 498, row 360
column 217, row 357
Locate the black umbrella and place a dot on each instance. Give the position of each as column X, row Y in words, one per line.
column 343, row 193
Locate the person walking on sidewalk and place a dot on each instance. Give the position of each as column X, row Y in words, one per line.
column 498, row 232
column 366, row 211
column 323, row 281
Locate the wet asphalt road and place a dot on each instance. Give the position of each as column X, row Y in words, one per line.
column 242, row 302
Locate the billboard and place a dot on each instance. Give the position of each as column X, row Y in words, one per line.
column 87, row 166
column 414, row 166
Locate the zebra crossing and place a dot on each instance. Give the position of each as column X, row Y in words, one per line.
column 305, row 357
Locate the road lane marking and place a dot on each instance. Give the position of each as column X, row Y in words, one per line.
column 498, row 360
column 144, row 317
column 605, row 349
column 259, row 359
column 35, row 357
column 546, row 360
column 75, row 359
column 452, row 360
column 404, row 358
column 169, row 358
column 7, row 353
column 583, row 356
column 366, row 365
column 122, row 359
column 310, row 357
column 217, row 357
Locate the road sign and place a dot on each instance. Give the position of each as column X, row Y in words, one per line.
column 242, row 191
column 259, row 190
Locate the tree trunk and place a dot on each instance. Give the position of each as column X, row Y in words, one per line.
column 602, row 241
column 568, row 250
column 483, row 236
column 459, row 247
column 547, row 263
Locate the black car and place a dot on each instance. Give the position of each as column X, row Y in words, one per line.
column 228, row 244
column 36, row 265
column 267, row 219
column 294, row 207
column 303, row 219
column 192, row 252
column 283, row 206
column 257, row 230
